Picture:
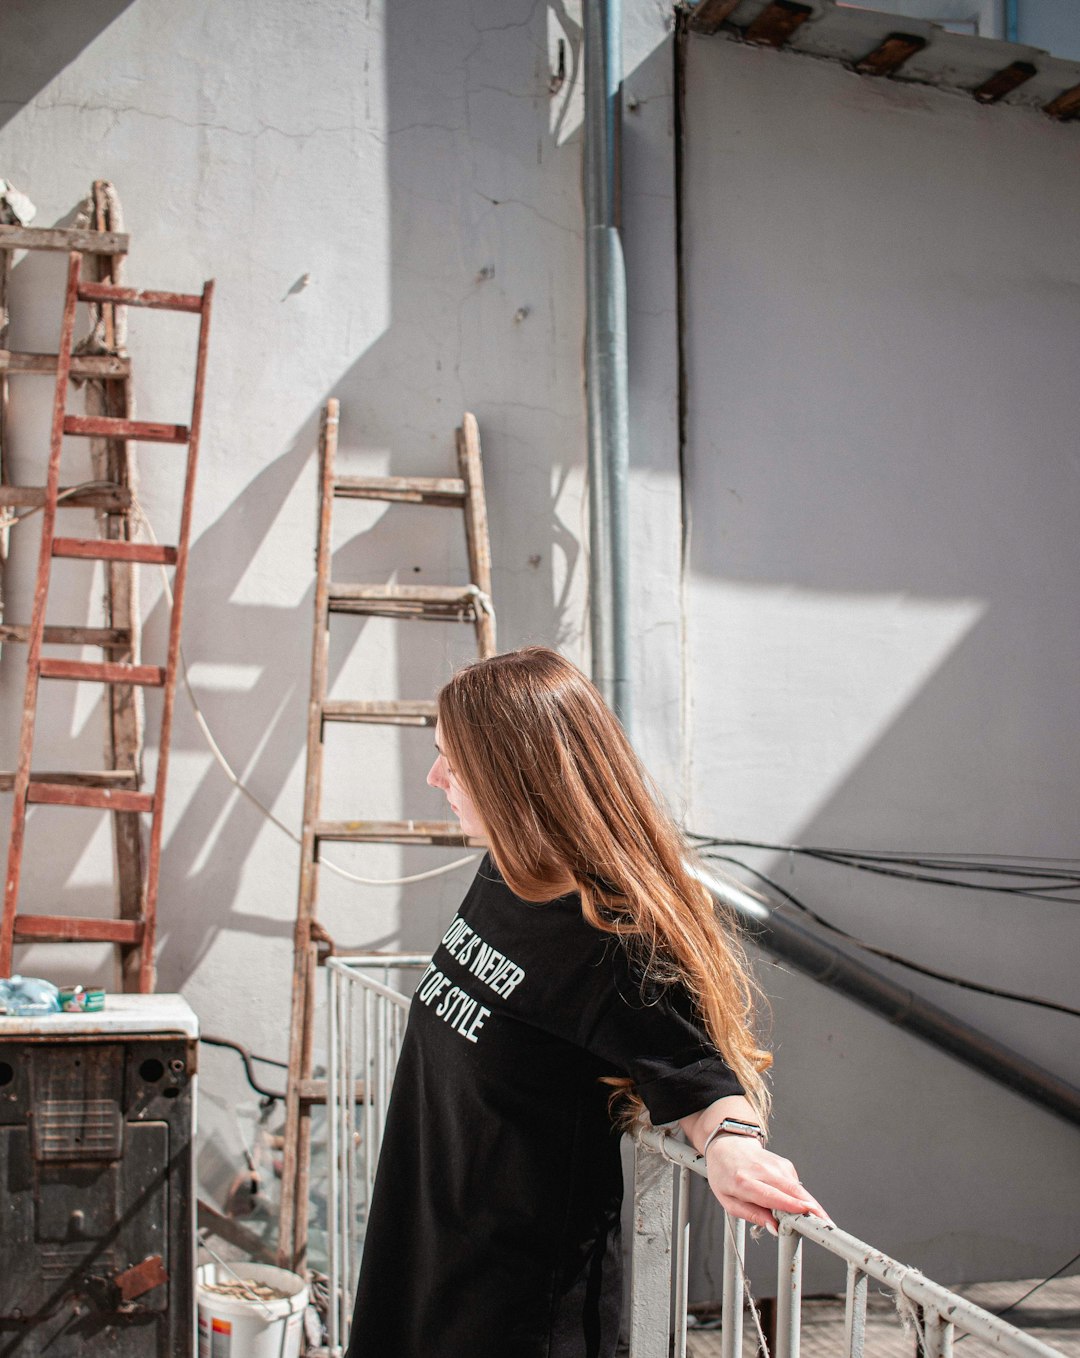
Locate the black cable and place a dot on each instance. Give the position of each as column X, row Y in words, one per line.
column 248, row 1058
column 926, row 868
column 1030, row 1292
column 885, row 953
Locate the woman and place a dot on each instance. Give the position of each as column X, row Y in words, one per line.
column 585, row 968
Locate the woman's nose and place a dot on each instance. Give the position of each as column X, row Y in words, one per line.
column 436, row 777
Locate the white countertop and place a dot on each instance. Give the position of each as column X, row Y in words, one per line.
column 122, row 1014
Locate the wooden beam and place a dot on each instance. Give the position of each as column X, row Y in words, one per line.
column 1004, row 82
column 113, row 499
column 777, row 23
column 213, row 1222
column 101, row 778
column 63, row 238
column 75, row 929
column 112, row 637
column 1066, row 105
column 82, row 365
column 889, row 56
column 709, row 15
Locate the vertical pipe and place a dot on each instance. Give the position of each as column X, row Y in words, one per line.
column 682, row 1261
column 650, row 1258
column 855, row 1312
column 332, row 1128
column 731, row 1314
column 1012, row 20
column 606, row 364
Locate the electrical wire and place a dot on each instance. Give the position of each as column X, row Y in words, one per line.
column 897, row 958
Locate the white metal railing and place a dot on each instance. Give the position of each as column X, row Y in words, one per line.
column 366, row 1023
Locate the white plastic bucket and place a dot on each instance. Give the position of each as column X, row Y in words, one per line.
column 241, row 1327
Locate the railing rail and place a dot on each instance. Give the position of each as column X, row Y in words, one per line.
column 366, row 1025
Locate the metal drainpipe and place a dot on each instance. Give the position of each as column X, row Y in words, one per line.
column 605, row 361
column 1012, row 20
column 808, row 948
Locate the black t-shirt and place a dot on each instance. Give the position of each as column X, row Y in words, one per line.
column 494, row 1225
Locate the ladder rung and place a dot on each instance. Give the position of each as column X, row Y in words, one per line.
column 427, row 602
column 156, row 301
column 73, row 929
column 391, row 831
column 396, row 713
column 106, row 549
column 69, row 636
column 82, row 365
column 63, row 238
column 115, row 498
column 416, row 490
column 100, row 778
column 314, row 1091
column 146, row 676
column 103, row 798
column 105, row 426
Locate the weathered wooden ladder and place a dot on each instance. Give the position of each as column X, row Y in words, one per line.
column 117, row 789
column 470, row 604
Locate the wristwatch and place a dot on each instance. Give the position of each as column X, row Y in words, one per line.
column 733, row 1127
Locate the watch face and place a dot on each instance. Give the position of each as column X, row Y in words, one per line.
column 741, row 1128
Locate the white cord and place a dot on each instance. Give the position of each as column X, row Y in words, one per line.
column 216, row 750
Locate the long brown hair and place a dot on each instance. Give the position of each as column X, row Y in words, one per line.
column 567, row 806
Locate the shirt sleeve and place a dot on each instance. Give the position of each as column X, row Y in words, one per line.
column 653, row 1034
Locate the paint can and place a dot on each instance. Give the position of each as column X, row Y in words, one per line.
column 242, row 1327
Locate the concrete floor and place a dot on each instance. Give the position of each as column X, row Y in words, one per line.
column 1051, row 1315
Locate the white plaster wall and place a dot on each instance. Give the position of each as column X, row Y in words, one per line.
column 883, row 319
column 411, row 160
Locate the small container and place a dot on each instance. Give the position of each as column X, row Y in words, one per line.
column 79, row 1000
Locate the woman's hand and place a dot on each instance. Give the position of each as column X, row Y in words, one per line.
column 748, row 1180
column 751, row 1182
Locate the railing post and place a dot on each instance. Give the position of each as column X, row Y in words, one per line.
column 650, row 1255
column 788, row 1293
column 731, row 1315
column 855, row 1312
column 937, row 1336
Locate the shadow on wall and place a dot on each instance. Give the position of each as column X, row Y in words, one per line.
column 41, row 39
column 485, row 268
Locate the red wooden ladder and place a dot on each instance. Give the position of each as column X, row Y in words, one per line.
column 135, row 935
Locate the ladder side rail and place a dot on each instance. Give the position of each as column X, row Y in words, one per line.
column 476, row 529
column 292, row 1236
column 5, row 458
column 37, row 623
column 146, row 970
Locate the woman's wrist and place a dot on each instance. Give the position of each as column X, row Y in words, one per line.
column 734, row 1127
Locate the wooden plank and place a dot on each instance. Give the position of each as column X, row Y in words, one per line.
column 63, row 238
column 101, row 798
column 431, row 603
column 390, row 832
column 1004, row 82
column 82, row 365
column 1066, row 105
column 419, row 490
column 154, row 301
column 476, row 531
column 115, row 499
column 69, row 636
column 74, row 929
column 148, row 431
column 101, row 549
column 148, row 676
column 708, row 16
column 777, row 23
column 216, row 1223
column 890, row 55
column 99, row 778
column 399, row 712
column 114, row 460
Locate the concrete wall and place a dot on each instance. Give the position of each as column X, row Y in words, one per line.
column 882, row 324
